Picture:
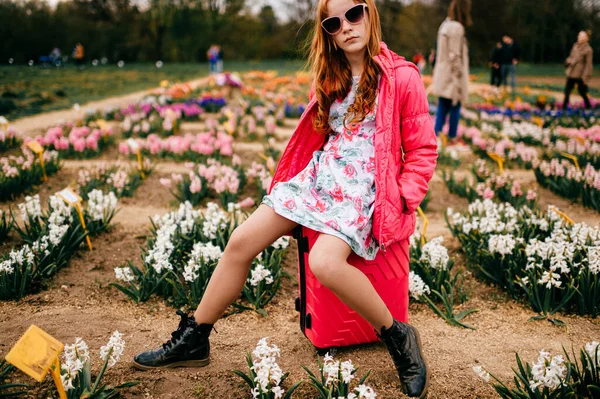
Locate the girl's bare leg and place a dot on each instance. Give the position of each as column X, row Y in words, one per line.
column 328, row 262
column 255, row 234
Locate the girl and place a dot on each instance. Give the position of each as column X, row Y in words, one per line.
column 579, row 69
column 451, row 75
column 342, row 174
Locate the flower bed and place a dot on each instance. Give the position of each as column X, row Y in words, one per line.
column 20, row 173
column 537, row 257
column 51, row 239
column 77, row 142
column 182, row 252
column 9, row 139
column 198, row 148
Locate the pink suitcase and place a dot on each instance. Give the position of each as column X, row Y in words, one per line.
column 325, row 320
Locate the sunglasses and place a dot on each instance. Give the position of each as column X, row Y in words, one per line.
column 354, row 15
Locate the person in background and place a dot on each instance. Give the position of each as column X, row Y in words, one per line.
column 56, row 57
column 495, row 62
column 509, row 57
column 79, row 55
column 212, row 54
column 451, row 73
column 219, row 59
column 432, row 58
column 579, row 69
column 419, row 60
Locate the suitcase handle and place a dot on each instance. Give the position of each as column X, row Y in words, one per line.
column 302, row 249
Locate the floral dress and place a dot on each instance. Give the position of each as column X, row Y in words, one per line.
column 335, row 193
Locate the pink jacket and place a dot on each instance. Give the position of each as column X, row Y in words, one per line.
column 405, row 148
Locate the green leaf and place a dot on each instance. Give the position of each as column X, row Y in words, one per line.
column 245, row 378
column 558, row 323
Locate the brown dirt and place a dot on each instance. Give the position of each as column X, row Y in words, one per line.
column 80, row 303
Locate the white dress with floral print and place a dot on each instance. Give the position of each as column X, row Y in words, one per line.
column 335, row 193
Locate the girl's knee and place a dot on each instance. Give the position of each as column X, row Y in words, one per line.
column 324, row 266
column 237, row 246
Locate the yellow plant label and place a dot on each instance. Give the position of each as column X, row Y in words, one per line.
column 35, row 352
column 564, row 216
column 35, row 147
column 135, row 147
column 69, row 196
column 425, row 224
column 499, row 160
column 572, row 158
column 101, row 123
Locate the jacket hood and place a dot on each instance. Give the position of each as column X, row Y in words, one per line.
column 388, row 61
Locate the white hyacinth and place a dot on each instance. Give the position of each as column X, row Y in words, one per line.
column 593, row 350
column 594, row 259
column 482, row 373
column 182, row 220
column 60, row 212
column 117, row 344
column 550, row 279
column 202, row 253
column 75, row 357
column 547, row 371
column 100, row 204
column 331, row 370
column 281, row 243
column 31, row 208
column 215, row 219
column 435, row 254
column 268, row 372
column 17, row 259
column 503, row 244
column 364, row 392
column 347, row 371
column 124, row 274
column 416, row 286
column 258, row 274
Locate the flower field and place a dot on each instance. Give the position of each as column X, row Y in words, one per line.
column 507, row 271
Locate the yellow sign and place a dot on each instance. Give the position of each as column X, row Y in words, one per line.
column 267, row 160
column 572, row 158
column 135, row 147
column 425, row 224
column 72, row 199
column 499, row 159
column 37, row 149
column 101, row 124
column 69, row 196
column 36, row 353
column 563, row 215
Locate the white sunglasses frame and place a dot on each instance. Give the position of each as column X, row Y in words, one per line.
column 343, row 18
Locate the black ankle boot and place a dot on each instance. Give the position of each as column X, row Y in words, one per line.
column 188, row 347
column 404, row 344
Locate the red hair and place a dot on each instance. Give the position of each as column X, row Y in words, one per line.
column 332, row 73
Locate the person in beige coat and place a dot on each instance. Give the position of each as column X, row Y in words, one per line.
column 579, row 69
column 451, row 72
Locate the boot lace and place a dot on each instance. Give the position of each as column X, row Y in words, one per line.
column 176, row 335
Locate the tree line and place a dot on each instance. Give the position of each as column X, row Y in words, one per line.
column 182, row 30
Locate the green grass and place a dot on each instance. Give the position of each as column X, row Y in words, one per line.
column 33, row 90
